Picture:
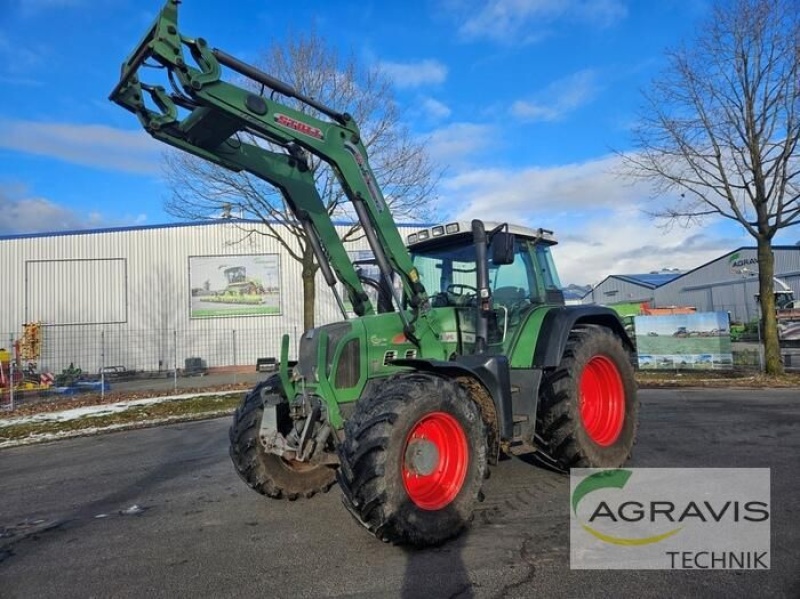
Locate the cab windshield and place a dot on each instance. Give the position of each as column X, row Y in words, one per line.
column 448, row 272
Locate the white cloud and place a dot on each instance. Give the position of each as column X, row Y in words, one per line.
column 415, row 74
column 578, row 186
column 31, row 215
column 559, row 98
column 458, row 143
column 625, row 241
column 597, row 217
column 96, row 146
column 22, row 213
column 435, row 109
column 526, row 21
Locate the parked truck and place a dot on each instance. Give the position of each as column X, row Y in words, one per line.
column 406, row 405
column 787, row 313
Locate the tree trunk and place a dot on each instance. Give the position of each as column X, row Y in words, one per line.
column 769, row 321
column 309, row 273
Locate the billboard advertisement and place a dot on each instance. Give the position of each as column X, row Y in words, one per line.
column 686, row 341
column 234, row 285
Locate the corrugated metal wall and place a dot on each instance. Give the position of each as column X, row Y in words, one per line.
column 122, row 297
column 89, row 291
column 613, row 290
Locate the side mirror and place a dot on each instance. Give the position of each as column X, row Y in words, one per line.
column 502, row 248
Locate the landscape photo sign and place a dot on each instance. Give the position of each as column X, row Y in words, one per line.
column 687, row 341
column 234, row 285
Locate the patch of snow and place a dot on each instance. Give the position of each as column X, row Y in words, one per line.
column 86, row 432
column 132, row 511
column 102, row 409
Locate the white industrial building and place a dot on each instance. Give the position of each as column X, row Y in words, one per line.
column 727, row 284
column 730, row 283
column 148, row 298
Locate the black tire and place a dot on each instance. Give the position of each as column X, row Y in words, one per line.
column 377, row 460
column 574, row 435
column 267, row 473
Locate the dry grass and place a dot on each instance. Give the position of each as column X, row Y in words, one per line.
column 715, row 379
column 197, row 408
column 228, row 398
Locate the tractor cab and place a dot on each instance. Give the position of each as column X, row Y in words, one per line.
column 235, row 274
column 525, row 277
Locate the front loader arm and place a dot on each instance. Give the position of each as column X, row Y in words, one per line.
column 219, row 111
column 296, row 182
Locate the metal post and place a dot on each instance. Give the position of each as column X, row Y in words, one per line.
column 760, row 346
column 11, row 380
column 746, row 303
column 175, row 360
column 102, row 364
column 234, row 354
column 11, row 372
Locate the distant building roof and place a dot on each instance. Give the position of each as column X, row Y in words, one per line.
column 573, row 294
column 651, row 280
column 172, row 225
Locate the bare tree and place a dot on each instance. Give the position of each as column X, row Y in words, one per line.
column 719, row 132
column 401, row 164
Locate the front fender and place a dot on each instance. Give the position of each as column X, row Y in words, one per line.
column 491, row 371
column 557, row 324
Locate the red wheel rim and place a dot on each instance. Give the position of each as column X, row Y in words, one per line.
column 602, row 400
column 435, row 459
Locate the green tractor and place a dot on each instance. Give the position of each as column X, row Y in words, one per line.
column 468, row 356
column 240, row 284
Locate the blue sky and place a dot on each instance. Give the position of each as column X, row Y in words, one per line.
column 522, row 101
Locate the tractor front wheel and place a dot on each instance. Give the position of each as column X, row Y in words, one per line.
column 267, row 473
column 588, row 409
column 413, row 460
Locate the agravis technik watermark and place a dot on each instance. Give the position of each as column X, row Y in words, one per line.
column 670, row 518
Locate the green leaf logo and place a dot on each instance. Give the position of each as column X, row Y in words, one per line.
column 611, row 479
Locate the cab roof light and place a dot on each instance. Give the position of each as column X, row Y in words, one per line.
column 412, row 238
column 422, row 235
column 451, row 228
column 437, row 231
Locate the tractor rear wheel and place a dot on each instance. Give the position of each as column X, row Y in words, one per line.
column 268, row 473
column 413, row 460
column 588, row 409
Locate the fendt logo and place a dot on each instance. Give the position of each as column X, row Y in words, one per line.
column 653, row 518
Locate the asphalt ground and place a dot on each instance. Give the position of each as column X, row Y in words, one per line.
column 160, row 512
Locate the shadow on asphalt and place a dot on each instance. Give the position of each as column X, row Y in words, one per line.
column 118, row 503
column 437, row 571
